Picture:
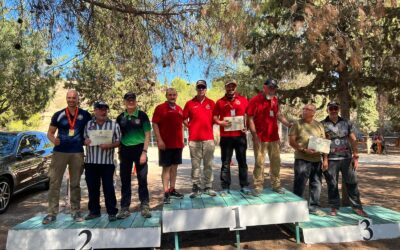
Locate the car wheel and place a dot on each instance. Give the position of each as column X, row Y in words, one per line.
column 5, row 194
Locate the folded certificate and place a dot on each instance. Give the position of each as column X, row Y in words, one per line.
column 319, row 144
column 98, row 137
column 237, row 123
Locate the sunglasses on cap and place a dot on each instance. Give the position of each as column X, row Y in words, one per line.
column 333, row 108
column 201, row 87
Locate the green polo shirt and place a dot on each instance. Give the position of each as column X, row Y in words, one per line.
column 133, row 127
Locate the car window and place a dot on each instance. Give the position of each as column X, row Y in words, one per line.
column 7, row 143
column 29, row 141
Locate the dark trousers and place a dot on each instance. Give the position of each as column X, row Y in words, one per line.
column 228, row 144
column 128, row 156
column 308, row 171
column 349, row 176
column 97, row 175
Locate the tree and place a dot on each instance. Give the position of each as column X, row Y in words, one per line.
column 367, row 114
column 26, row 82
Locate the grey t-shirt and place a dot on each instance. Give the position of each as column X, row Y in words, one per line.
column 339, row 134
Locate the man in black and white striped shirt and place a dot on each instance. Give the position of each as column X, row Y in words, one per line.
column 102, row 135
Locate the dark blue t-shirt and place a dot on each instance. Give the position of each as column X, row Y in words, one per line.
column 70, row 144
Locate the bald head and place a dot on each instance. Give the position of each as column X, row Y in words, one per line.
column 72, row 98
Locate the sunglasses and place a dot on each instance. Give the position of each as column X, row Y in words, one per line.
column 333, row 108
column 201, row 87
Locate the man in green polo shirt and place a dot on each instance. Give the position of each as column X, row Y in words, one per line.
column 135, row 129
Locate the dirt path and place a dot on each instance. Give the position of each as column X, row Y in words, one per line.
column 379, row 185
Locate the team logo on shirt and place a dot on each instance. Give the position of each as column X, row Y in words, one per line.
column 237, row 102
column 80, row 117
column 137, row 121
column 337, row 142
column 92, row 127
column 208, row 106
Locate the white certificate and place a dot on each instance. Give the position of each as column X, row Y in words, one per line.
column 319, row 144
column 236, row 123
column 98, row 137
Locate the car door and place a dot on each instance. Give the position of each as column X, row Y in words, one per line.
column 45, row 152
column 25, row 165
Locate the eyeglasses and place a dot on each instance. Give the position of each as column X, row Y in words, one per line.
column 334, row 108
column 201, row 87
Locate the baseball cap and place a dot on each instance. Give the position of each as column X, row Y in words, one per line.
column 100, row 104
column 230, row 81
column 201, row 82
column 333, row 104
column 130, row 95
column 271, row 83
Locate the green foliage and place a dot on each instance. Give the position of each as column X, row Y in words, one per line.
column 367, row 115
column 33, row 123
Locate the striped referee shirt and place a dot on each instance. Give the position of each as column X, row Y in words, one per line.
column 96, row 155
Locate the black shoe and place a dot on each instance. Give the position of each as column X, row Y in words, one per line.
column 175, row 194
column 112, row 217
column 167, row 199
column 91, row 216
column 196, row 191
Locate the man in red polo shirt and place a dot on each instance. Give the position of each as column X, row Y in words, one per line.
column 167, row 125
column 263, row 115
column 229, row 114
column 198, row 118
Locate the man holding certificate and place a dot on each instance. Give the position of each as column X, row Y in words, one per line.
column 307, row 163
column 343, row 156
column 229, row 113
column 102, row 135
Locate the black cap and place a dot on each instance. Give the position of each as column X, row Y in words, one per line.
column 130, row 95
column 271, row 83
column 333, row 104
column 100, row 104
column 201, row 82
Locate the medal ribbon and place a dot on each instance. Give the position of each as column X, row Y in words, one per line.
column 71, row 123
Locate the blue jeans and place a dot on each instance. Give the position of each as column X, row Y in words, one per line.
column 312, row 172
column 128, row 156
column 228, row 144
column 349, row 176
column 97, row 175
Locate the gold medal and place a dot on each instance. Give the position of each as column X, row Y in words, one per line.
column 71, row 132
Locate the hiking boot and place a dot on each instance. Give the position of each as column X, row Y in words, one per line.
column 174, row 194
column 145, row 211
column 167, row 199
column 112, row 217
column 210, row 192
column 333, row 211
column 225, row 192
column 124, row 213
column 318, row 212
column 279, row 190
column 245, row 191
column 77, row 217
column 360, row 212
column 195, row 191
column 91, row 216
column 49, row 219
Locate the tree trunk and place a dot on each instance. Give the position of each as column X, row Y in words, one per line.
column 344, row 96
column 381, row 107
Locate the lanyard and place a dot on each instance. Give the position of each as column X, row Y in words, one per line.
column 71, row 123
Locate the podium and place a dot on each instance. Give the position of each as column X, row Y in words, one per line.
column 234, row 211
column 132, row 232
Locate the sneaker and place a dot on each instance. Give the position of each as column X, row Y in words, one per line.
column 256, row 192
column 112, row 217
column 360, row 212
column 174, row 194
column 167, row 199
column 210, row 192
column 91, row 216
column 333, row 211
column 146, row 211
column 279, row 190
column 124, row 213
column 77, row 217
column 245, row 191
column 225, row 192
column 195, row 191
column 318, row 212
column 49, row 219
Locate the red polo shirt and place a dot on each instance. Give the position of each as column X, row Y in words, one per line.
column 170, row 122
column 200, row 119
column 264, row 113
column 226, row 108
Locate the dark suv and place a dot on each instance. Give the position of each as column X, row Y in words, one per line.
column 24, row 162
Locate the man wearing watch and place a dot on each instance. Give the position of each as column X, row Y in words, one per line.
column 135, row 129
column 343, row 157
